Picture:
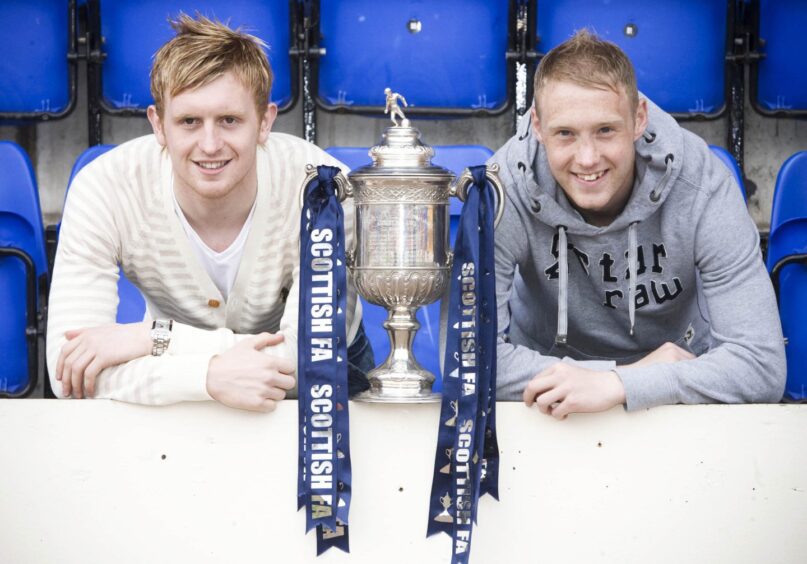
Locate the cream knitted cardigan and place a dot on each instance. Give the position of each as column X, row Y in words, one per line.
column 120, row 211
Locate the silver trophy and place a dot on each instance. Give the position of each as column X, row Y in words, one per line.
column 402, row 259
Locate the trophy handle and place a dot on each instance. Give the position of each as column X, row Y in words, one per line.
column 460, row 188
column 343, row 187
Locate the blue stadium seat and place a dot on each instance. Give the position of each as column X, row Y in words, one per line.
column 132, row 306
column 779, row 79
column 37, row 79
column 787, row 263
column 444, row 57
column 130, row 47
column 726, row 158
column 455, row 158
column 133, row 31
column 23, row 275
column 677, row 48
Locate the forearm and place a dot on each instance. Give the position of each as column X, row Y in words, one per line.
column 729, row 373
column 517, row 365
column 159, row 380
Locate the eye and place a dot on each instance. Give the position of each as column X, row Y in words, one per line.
column 230, row 120
column 606, row 130
column 189, row 121
column 564, row 133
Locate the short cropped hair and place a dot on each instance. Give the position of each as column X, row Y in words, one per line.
column 202, row 51
column 586, row 60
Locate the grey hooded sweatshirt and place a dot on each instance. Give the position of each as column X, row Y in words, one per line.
column 681, row 263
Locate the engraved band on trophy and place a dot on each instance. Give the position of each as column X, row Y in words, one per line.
column 402, row 258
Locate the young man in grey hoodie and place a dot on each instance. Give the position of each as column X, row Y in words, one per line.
column 628, row 269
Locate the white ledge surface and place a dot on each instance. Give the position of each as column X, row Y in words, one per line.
column 98, row 481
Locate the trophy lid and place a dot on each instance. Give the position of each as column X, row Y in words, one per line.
column 401, row 152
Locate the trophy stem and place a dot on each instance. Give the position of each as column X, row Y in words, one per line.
column 400, row 378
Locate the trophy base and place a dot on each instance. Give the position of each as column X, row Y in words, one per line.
column 391, row 386
column 373, row 397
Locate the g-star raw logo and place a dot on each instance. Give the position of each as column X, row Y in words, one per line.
column 656, row 291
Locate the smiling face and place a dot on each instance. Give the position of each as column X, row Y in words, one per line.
column 588, row 134
column 211, row 134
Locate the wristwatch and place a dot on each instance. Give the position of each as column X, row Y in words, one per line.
column 160, row 335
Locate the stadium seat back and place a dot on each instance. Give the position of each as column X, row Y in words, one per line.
column 442, row 56
column 131, row 305
column 677, row 48
column 781, row 79
column 34, row 68
column 788, row 239
column 731, row 163
column 426, row 347
column 21, row 231
column 134, row 31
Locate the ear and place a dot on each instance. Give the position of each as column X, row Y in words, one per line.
column 536, row 124
column 267, row 120
column 156, row 124
column 640, row 119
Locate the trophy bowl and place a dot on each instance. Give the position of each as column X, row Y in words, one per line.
column 401, row 259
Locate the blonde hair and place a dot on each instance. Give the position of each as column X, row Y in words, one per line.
column 589, row 61
column 202, row 51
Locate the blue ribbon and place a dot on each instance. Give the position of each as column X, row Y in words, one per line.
column 323, row 482
column 467, row 458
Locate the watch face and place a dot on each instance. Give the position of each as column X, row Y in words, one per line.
column 160, row 333
column 164, row 324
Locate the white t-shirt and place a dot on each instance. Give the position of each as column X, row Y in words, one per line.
column 221, row 267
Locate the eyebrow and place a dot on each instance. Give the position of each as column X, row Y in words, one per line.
column 218, row 115
column 612, row 124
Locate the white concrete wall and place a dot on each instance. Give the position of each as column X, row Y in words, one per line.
column 53, row 146
column 98, row 481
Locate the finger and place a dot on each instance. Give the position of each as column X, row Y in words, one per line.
column 284, row 381
column 67, row 350
column 540, row 383
column 263, row 340
column 548, row 399
column 275, row 394
column 560, row 410
column 72, row 333
column 90, row 377
column 64, row 378
column 66, row 371
column 60, row 366
column 81, row 362
column 77, row 372
column 284, row 365
column 268, row 405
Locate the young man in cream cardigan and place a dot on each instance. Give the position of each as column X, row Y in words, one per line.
column 203, row 216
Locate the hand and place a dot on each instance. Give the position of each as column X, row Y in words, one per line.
column 90, row 350
column 563, row 388
column 246, row 378
column 666, row 353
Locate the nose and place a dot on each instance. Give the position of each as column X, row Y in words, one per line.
column 588, row 154
column 210, row 141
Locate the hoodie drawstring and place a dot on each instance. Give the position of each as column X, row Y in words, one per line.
column 563, row 288
column 632, row 273
column 655, row 195
column 561, row 337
